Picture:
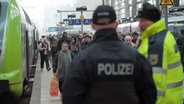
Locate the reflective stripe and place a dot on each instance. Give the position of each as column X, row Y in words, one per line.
column 171, row 66
column 158, row 70
column 175, row 84
column 160, row 93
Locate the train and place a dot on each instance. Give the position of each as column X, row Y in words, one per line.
column 128, row 28
column 175, row 24
column 55, row 30
column 18, row 48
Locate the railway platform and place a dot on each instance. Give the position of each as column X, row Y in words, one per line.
column 40, row 90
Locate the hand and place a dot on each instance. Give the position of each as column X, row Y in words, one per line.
column 54, row 74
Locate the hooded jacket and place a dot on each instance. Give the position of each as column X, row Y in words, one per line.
column 64, row 60
column 159, row 47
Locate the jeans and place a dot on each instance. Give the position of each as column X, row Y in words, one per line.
column 46, row 58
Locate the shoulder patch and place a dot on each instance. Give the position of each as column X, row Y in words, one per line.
column 153, row 59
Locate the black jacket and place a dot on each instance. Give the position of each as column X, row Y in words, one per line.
column 109, row 72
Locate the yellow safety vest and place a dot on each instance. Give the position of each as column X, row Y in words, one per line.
column 159, row 46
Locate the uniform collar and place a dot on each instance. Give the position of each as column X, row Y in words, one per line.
column 154, row 28
column 106, row 34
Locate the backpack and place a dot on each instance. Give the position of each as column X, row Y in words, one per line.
column 53, row 44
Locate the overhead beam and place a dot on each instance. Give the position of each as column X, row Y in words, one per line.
column 73, row 11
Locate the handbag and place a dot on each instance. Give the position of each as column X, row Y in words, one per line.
column 54, row 86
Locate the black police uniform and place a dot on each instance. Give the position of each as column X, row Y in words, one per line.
column 109, row 72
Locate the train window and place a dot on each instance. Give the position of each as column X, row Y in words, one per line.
column 176, row 9
column 3, row 12
column 175, row 29
column 0, row 8
column 0, row 41
column 0, row 36
column 55, row 30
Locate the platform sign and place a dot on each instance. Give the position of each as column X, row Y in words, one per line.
column 87, row 21
column 71, row 22
column 78, row 21
column 166, row 2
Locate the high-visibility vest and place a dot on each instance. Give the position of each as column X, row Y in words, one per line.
column 162, row 52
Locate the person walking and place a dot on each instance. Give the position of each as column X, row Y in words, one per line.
column 158, row 45
column 86, row 42
column 44, row 49
column 74, row 46
column 47, row 49
column 54, row 50
column 64, row 38
column 108, row 71
column 64, row 59
column 41, row 51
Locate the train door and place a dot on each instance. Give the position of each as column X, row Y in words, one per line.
column 27, row 54
column 35, row 53
column 34, row 46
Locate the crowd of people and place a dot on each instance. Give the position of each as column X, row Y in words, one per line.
column 107, row 68
column 50, row 45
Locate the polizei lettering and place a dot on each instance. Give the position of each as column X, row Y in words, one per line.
column 115, row 68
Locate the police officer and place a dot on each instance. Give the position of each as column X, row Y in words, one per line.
column 180, row 43
column 108, row 71
column 160, row 48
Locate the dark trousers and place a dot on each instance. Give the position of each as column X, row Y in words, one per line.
column 53, row 58
column 60, row 85
column 44, row 57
